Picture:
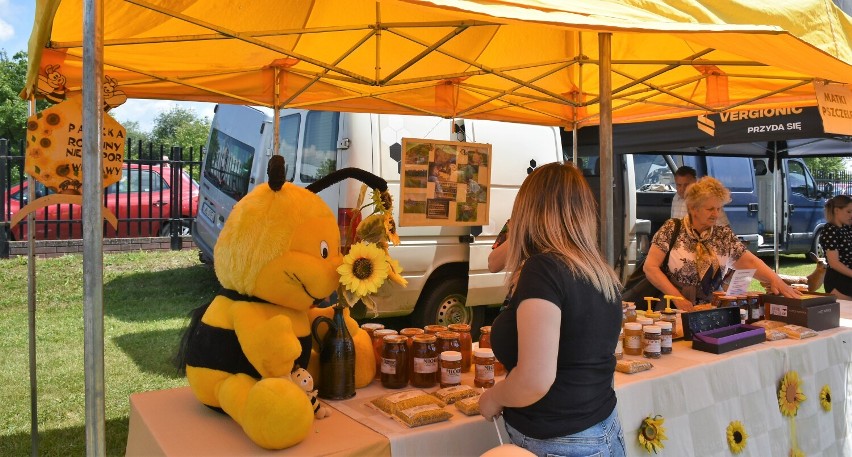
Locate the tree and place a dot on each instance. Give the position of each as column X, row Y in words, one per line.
column 180, row 127
column 826, row 165
column 13, row 110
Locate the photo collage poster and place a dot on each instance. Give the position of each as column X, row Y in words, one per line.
column 444, row 183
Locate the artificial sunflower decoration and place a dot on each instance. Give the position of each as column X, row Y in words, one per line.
column 790, row 394
column 652, row 433
column 364, row 269
column 737, row 437
column 825, row 398
column 395, row 272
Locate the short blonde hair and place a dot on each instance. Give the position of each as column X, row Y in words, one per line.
column 555, row 212
column 705, row 188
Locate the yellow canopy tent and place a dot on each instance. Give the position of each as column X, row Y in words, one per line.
column 517, row 61
column 553, row 62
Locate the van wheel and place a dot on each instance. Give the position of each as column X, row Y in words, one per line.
column 184, row 230
column 816, row 248
column 444, row 304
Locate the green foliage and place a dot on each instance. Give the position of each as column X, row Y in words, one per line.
column 180, row 127
column 146, row 299
column 825, row 165
column 13, row 110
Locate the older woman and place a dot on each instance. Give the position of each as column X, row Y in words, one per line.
column 703, row 250
column 836, row 241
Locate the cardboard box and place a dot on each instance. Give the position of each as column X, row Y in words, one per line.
column 729, row 338
column 708, row 319
column 816, row 317
column 808, row 299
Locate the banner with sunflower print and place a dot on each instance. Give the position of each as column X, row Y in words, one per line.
column 444, row 183
column 55, row 155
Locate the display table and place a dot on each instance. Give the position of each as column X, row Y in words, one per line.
column 173, row 423
column 697, row 393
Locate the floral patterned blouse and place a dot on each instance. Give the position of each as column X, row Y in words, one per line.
column 682, row 268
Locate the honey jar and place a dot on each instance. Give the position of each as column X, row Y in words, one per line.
column 465, row 344
column 450, row 368
column 425, row 361
column 483, row 361
column 394, row 362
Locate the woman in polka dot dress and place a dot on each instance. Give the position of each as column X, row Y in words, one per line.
column 836, row 241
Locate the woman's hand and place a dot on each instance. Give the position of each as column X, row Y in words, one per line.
column 488, row 406
column 778, row 287
column 684, row 305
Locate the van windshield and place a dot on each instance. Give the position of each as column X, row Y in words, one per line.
column 228, row 164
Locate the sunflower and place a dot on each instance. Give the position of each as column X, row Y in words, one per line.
column 790, row 394
column 737, row 437
column 364, row 269
column 825, row 398
column 390, row 229
column 371, row 229
column 652, row 433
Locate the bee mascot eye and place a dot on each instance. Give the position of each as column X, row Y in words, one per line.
column 324, row 249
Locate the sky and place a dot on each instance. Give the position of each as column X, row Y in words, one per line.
column 16, row 22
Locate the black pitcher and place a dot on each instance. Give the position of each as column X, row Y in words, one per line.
column 337, row 358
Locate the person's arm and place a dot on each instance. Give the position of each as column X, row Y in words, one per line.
column 765, row 274
column 539, row 323
column 654, row 272
column 497, row 258
column 833, row 259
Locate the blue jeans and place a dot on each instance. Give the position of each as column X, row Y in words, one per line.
column 604, row 439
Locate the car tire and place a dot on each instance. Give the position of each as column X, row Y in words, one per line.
column 815, row 247
column 443, row 303
column 185, row 229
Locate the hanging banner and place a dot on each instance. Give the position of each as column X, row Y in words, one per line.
column 55, row 155
column 444, row 183
column 835, row 107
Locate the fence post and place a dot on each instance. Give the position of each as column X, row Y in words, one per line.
column 4, row 228
column 176, row 198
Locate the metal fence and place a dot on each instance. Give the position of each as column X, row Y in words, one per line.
column 834, row 183
column 157, row 195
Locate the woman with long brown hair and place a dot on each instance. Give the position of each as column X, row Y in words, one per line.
column 558, row 335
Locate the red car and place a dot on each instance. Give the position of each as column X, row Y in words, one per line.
column 141, row 201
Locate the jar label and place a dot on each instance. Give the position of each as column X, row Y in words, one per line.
column 666, row 341
column 632, row 341
column 388, row 366
column 652, row 345
column 450, row 375
column 426, row 365
column 485, row 372
column 756, row 314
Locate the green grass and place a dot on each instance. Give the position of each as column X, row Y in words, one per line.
column 147, row 296
column 146, row 300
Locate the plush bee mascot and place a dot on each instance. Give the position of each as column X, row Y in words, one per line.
column 276, row 257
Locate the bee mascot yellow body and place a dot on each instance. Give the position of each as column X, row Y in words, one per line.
column 276, row 257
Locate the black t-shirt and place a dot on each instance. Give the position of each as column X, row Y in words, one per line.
column 582, row 394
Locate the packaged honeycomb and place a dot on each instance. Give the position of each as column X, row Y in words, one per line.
column 469, row 406
column 453, row 394
column 391, row 403
column 422, row 415
column 797, row 331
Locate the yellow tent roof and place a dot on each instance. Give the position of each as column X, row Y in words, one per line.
column 521, row 61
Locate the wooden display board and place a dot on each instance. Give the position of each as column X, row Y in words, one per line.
column 444, row 183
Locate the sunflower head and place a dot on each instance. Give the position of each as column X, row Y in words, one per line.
column 790, row 395
column 364, row 269
column 825, row 398
column 737, row 437
column 652, row 433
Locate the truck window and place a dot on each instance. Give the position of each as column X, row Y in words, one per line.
column 735, row 173
column 800, row 182
column 653, row 173
column 319, row 156
column 228, row 164
column 288, row 139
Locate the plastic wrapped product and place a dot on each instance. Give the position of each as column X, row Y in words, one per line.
column 422, row 415
column 390, row 404
column 453, row 394
column 469, row 406
column 632, row 366
column 797, row 331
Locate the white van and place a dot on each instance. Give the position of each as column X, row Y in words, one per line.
column 446, row 267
